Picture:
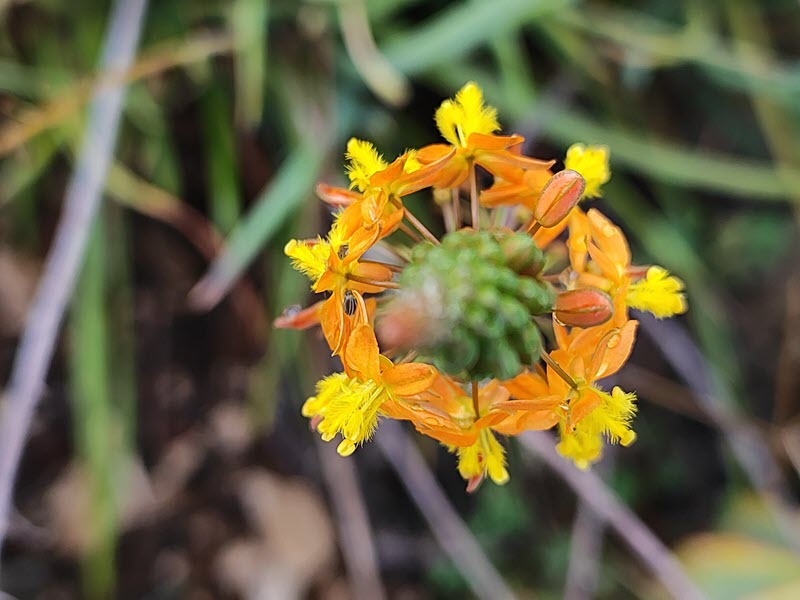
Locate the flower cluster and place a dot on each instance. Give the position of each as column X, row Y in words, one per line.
column 499, row 327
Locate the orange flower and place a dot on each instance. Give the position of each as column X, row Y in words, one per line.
column 333, row 266
column 351, row 402
column 653, row 289
column 448, row 415
column 469, row 126
column 378, row 210
column 484, row 285
column 585, row 356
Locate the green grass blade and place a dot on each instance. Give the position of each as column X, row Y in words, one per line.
column 290, row 187
column 249, row 23
column 223, row 179
column 665, row 161
column 666, row 45
column 93, row 423
column 456, row 31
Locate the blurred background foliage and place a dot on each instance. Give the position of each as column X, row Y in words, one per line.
column 168, row 458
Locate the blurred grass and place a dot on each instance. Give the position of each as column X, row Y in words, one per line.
column 719, row 146
column 95, row 428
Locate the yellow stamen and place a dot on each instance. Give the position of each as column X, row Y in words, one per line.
column 309, row 259
column 658, row 293
column 485, row 456
column 611, row 419
column 351, row 409
column 459, row 118
column 364, row 163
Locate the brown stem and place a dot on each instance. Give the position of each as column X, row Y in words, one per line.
column 557, row 368
column 415, row 222
column 456, row 208
column 410, row 233
column 475, row 403
column 389, row 285
column 531, row 226
column 473, row 197
column 449, row 217
column 421, row 228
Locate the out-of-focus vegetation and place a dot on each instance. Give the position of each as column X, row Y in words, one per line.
column 168, row 459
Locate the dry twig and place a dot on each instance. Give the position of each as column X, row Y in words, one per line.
column 352, row 521
column 746, row 442
column 63, row 263
column 586, row 545
column 591, row 489
column 448, row 529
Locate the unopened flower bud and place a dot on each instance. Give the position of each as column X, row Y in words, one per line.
column 585, row 307
column 558, row 197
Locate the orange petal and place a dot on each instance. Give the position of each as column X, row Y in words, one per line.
column 507, row 194
column 613, row 351
column 362, row 353
column 487, row 141
column 489, row 420
column 432, row 153
column 372, row 207
column 361, row 241
column 427, row 176
column 526, row 385
column 336, row 196
column 610, row 268
column 527, row 421
column 372, row 270
column 609, row 238
column 451, row 438
column 549, row 402
column 490, row 394
column 409, row 379
column 389, row 175
column 332, row 318
column 292, row 318
column 583, row 405
column 509, row 166
column 544, row 236
column 390, row 221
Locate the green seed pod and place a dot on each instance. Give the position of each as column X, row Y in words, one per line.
column 522, row 255
column 473, row 299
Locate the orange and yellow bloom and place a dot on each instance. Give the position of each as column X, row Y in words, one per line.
column 460, row 354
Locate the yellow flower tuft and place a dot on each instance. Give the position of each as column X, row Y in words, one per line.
column 459, row 118
column 327, row 389
column 581, row 446
column 485, row 456
column 311, row 259
column 612, row 418
column 351, row 409
column 337, row 236
column 658, row 293
column 412, row 164
column 592, row 163
column 364, row 162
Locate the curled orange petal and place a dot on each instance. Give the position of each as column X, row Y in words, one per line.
column 409, row 379
column 361, row 353
column 295, row 317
